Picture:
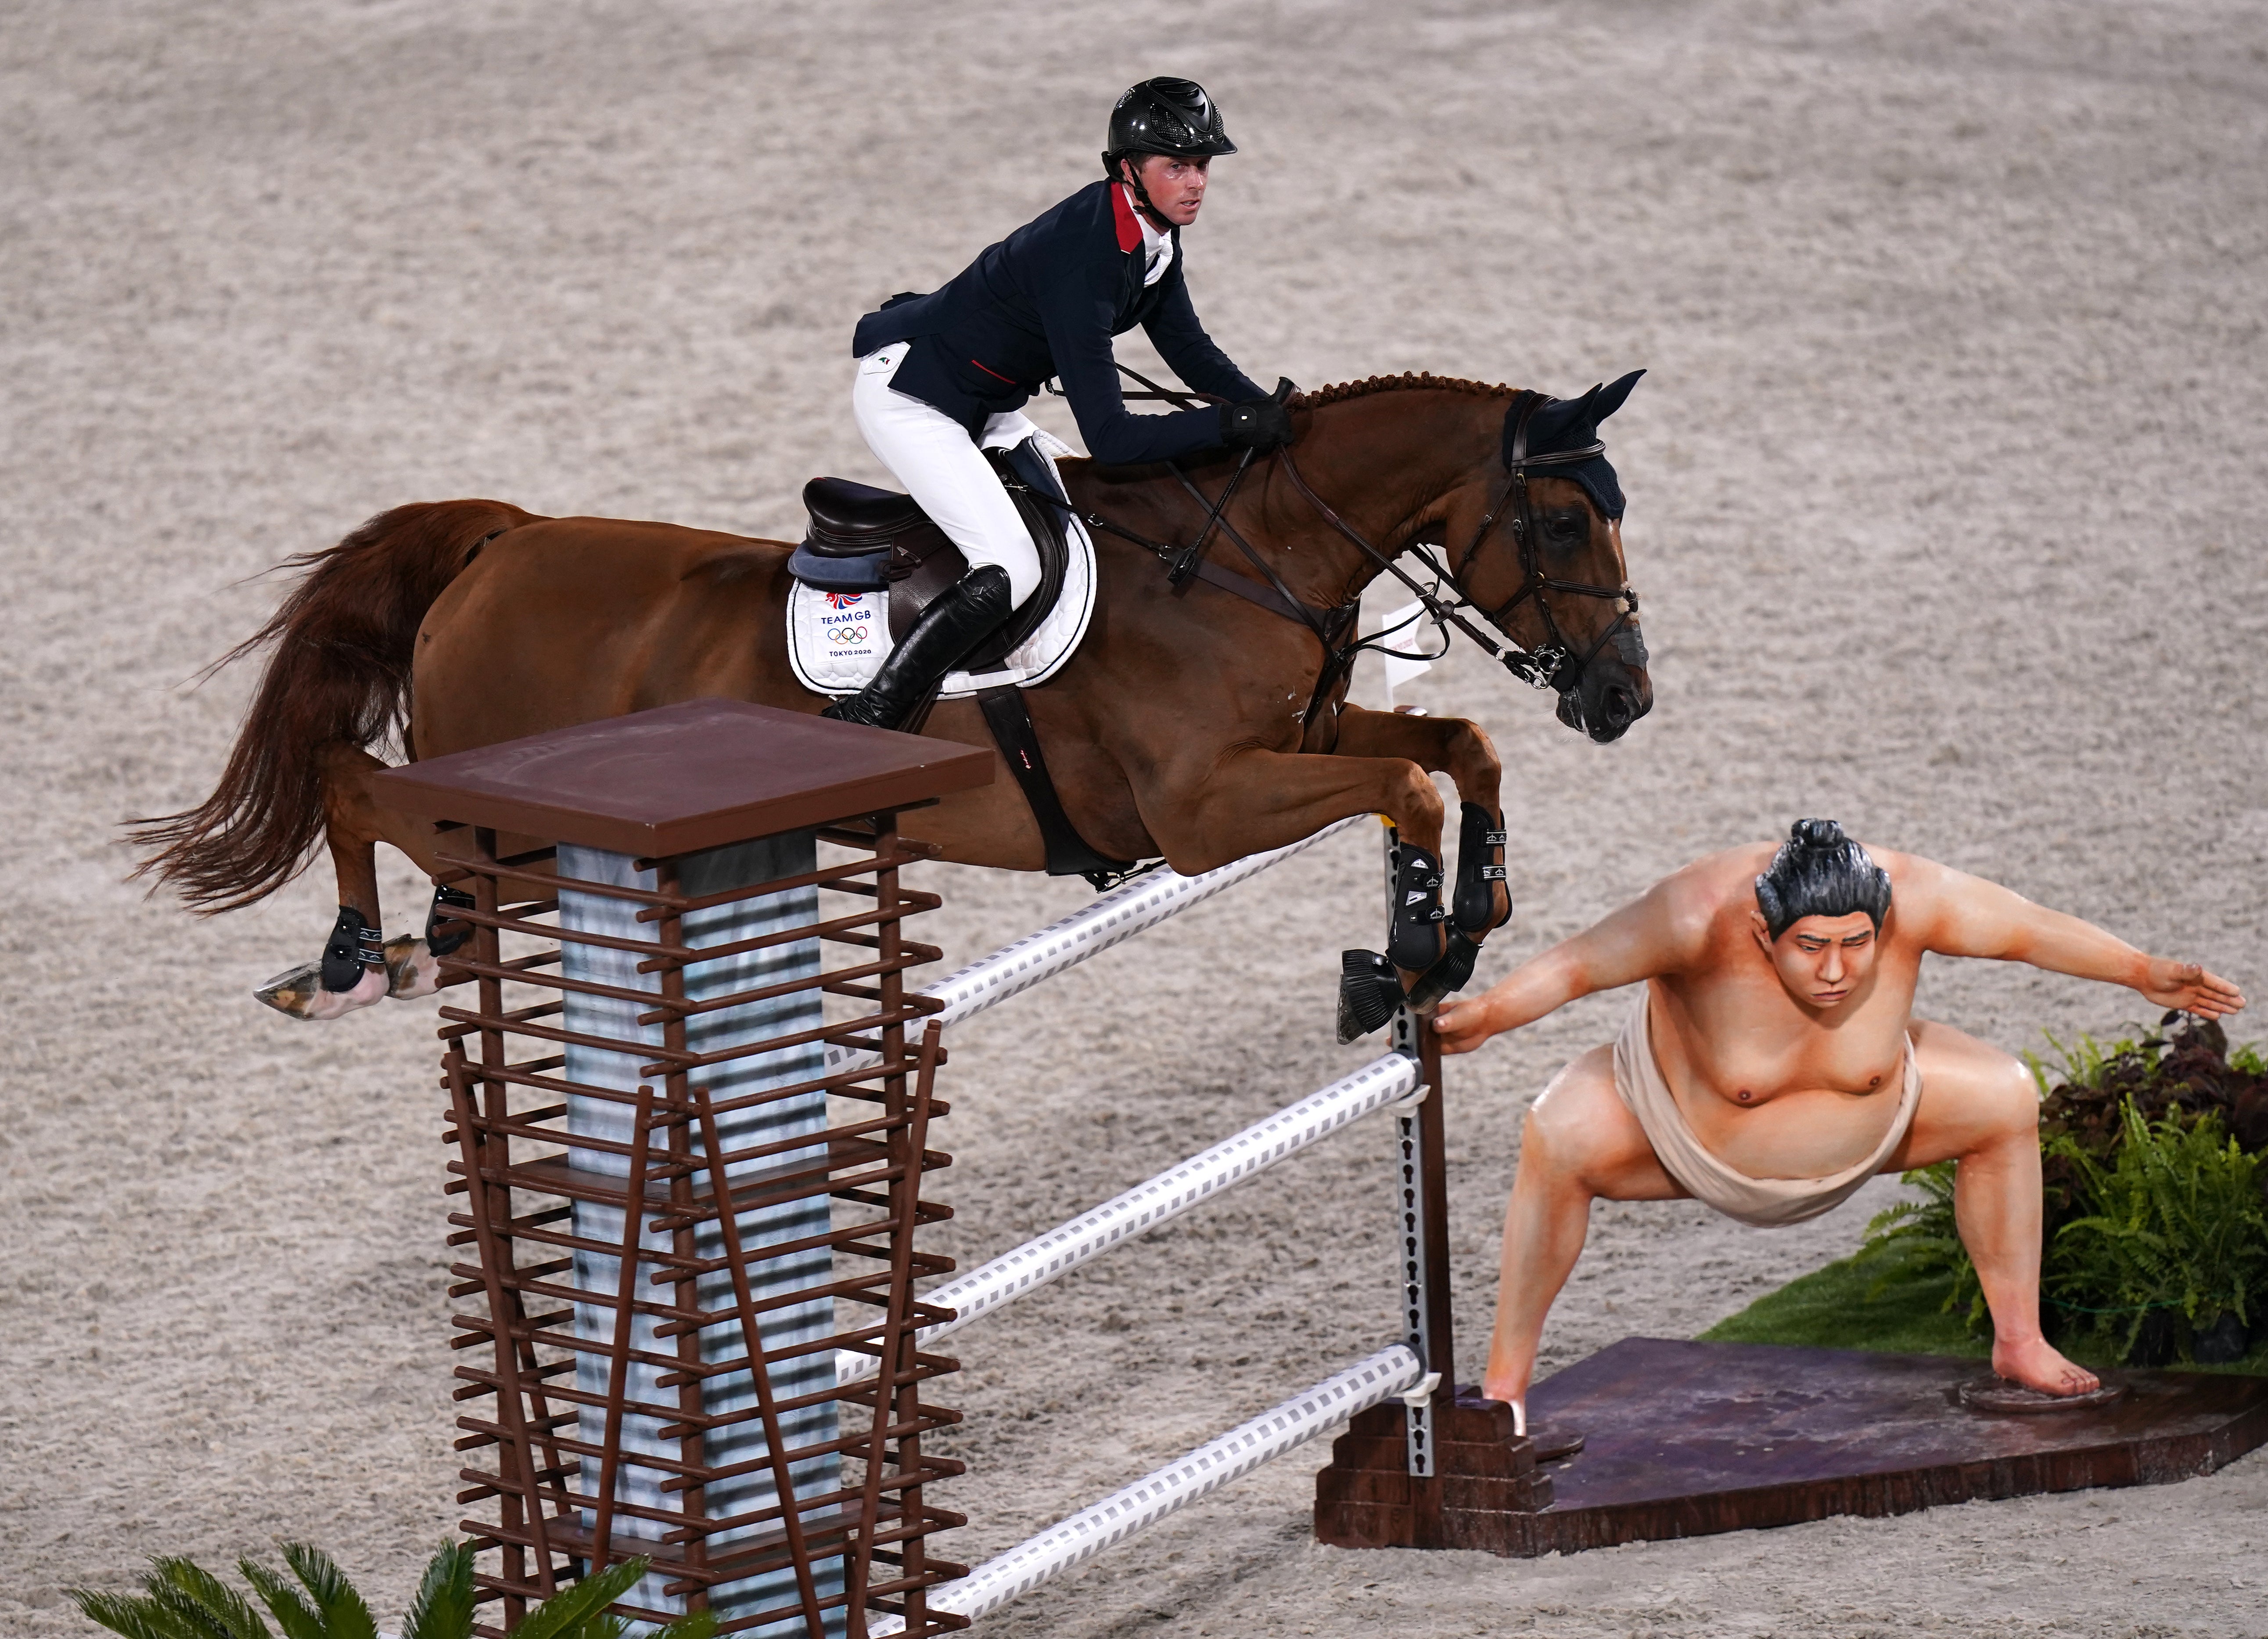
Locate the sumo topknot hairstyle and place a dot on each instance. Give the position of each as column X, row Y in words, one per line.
column 1818, row 871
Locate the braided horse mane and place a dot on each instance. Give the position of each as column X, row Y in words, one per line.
column 1340, row 391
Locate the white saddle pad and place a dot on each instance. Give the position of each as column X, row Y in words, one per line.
column 837, row 640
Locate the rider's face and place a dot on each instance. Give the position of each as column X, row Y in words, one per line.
column 1175, row 186
column 1821, row 960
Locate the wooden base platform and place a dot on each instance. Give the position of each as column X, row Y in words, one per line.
column 1686, row 1439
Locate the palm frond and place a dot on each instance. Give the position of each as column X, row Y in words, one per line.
column 344, row 1614
column 282, row 1600
column 442, row 1608
column 194, row 1591
column 192, row 1616
column 563, row 1614
column 134, row 1615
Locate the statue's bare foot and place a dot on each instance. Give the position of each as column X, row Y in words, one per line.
column 2037, row 1366
column 1505, row 1394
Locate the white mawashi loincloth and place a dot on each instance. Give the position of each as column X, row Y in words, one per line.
column 1767, row 1203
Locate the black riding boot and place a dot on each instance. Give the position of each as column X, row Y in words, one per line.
column 956, row 621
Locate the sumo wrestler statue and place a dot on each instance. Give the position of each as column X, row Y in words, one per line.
column 1771, row 1065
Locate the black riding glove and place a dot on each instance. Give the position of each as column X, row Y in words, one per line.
column 1261, row 425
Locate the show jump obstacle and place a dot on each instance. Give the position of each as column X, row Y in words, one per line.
column 682, row 1214
column 648, row 934
column 691, row 1153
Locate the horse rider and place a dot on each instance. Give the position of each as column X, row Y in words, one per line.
column 941, row 376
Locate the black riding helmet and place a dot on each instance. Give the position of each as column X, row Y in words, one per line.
column 1165, row 115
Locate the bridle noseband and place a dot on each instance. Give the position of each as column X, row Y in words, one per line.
column 1545, row 666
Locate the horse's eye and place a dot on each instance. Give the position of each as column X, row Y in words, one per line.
column 1566, row 530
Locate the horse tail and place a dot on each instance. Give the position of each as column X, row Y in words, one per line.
column 344, row 639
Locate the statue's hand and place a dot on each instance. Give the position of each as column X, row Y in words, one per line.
column 2188, row 986
column 1462, row 1025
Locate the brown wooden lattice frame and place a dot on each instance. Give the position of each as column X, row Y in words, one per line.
column 507, row 1125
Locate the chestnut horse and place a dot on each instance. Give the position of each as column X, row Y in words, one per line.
column 1194, row 723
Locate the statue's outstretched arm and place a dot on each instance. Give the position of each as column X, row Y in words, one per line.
column 1960, row 915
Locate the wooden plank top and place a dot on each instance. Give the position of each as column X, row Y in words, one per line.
column 680, row 778
column 1684, row 1438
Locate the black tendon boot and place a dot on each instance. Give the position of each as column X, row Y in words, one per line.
column 1480, row 868
column 1414, row 942
column 959, row 618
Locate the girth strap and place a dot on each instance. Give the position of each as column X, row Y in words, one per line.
column 1010, row 720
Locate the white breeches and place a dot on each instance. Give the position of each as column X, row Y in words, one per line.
column 945, row 469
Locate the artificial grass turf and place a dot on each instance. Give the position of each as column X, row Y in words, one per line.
column 1831, row 1308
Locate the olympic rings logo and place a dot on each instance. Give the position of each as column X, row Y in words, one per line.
column 847, row 634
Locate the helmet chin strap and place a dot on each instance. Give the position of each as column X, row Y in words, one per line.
column 1131, row 176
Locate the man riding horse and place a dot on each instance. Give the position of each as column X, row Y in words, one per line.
column 943, row 374
column 1206, row 718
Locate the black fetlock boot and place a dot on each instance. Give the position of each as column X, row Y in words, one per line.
column 353, row 947
column 444, row 933
column 959, row 618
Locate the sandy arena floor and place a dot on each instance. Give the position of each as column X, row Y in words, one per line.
column 1946, row 499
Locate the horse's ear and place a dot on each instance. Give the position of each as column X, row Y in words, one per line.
column 1601, row 401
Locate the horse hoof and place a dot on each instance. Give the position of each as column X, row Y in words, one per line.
column 300, row 993
column 412, row 970
column 1369, row 992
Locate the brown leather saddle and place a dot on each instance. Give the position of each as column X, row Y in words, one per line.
column 862, row 539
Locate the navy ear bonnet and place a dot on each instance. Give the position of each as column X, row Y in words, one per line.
column 1570, row 424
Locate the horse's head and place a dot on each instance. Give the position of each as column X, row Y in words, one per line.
column 1546, row 563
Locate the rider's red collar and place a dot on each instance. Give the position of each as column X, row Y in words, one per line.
column 1122, row 211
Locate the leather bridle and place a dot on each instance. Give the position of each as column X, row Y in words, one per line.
column 1544, row 667
column 1547, row 666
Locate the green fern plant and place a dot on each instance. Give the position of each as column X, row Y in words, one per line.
column 180, row 1600
column 2088, row 1062
column 2173, row 1222
column 1920, row 1238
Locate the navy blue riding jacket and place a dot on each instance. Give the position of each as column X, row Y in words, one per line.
column 1045, row 301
